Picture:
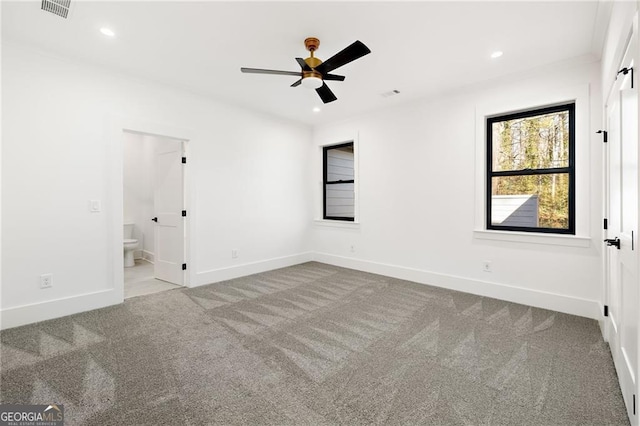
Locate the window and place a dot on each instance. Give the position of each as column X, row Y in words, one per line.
column 338, row 182
column 531, row 171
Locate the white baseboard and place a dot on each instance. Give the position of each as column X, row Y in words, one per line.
column 143, row 254
column 148, row 256
column 36, row 312
column 223, row 274
column 42, row 311
column 524, row 296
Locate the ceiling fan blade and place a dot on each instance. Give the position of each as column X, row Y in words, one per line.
column 261, row 71
column 297, row 83
column 334, row 77
column 326, row 94
column 303, row 64
column 356, row 50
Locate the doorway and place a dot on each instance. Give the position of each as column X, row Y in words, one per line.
column 154, row 213
column 621, row 211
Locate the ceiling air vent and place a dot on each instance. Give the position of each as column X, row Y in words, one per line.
column 57, row 7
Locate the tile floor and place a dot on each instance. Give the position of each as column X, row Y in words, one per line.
column 139, row 280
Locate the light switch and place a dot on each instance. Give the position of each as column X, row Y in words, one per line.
column 94, row 206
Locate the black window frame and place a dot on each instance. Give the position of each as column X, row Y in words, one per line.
column 325, row 149
column 569, row 170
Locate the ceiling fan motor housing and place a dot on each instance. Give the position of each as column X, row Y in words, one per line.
column 307, row 74
column 314, row 77
column 312, row 61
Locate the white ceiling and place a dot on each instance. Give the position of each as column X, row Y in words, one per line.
column 418, row 48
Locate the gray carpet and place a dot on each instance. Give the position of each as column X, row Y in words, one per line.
column 312, row 345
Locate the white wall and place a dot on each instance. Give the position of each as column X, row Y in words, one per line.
column 61, row 148
column 420, row 185
column 138, row 178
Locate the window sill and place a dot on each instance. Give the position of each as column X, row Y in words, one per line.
column 533, row 238
column 337, row 223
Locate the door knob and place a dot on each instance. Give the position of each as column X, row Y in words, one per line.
column 613, row 242
column 155, row 219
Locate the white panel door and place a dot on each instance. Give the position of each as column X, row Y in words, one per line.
column 622, row 261
column 168, row 205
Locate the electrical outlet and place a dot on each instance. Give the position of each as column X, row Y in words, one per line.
column 486, row 266
column 46, row 280
column 234, row 253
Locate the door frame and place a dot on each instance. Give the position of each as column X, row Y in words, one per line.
column 115, row 216
column 627, row 42
column 606, row 191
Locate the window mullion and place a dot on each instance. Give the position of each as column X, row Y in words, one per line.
column 531, row 172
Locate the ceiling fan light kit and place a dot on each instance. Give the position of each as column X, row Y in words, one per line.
column 311, row 82
column 314, row 72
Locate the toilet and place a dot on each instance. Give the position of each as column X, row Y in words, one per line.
column 130, row 245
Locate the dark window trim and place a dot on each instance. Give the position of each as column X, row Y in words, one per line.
column 570, row 170
column 325, row 182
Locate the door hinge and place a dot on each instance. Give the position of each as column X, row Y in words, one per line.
column 184, row 266
column 606, row 310
column 625, row 71
column 184, row 213
column 605, row 138
column 606, row 223
column 184, row 160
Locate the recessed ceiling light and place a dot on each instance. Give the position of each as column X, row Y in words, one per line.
column 316, row 109
column 496, row 54
column 108, row 32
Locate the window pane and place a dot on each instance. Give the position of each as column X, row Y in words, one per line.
column 340, row 164
column 538, row 142
column 531, row 201
column 340, row 200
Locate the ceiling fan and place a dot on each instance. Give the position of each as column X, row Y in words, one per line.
column 314, row 72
